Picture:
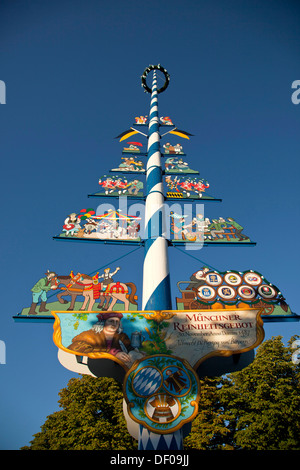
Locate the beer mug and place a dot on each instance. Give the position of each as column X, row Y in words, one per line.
column 136, row 339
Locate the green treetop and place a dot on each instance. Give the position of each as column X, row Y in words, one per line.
column 257, row 408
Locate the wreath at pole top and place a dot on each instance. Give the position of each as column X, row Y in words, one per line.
column 151, row 68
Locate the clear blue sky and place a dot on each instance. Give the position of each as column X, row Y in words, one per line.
column 72, row 71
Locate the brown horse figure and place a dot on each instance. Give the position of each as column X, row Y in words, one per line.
column 82, row 284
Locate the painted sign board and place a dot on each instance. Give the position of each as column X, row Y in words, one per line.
column 125, row 337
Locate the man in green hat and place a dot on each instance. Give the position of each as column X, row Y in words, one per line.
column 39, row 291
column 238, row 229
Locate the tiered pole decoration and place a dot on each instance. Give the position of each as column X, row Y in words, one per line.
column 161, row 385
column 156, row 276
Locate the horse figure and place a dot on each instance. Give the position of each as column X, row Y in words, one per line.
column 90, row 289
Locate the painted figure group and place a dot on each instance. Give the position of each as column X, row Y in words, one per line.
column 166, row 120
column 186, row 185
column 141, row 119
column 172, row 149
column 120, row 185
column 204, row 229
column 132, row 148
column 102, row 227
column 130, row 164
column 176, row 163
column 95, row 289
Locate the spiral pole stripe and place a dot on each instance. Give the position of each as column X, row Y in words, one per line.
column 156, row 276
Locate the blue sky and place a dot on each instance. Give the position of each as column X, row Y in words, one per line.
column 72, row 73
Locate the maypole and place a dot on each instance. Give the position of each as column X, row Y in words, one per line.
column 156, row 276
column 156, row 353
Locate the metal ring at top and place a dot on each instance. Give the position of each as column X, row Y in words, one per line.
column 151, row 68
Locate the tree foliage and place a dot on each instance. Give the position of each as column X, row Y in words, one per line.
column 91, row 418
column 257, row 408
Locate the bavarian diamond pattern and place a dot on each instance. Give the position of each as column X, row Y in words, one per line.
column 152, row 441
column 147, row 381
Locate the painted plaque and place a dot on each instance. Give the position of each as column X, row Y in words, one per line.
column 162, row 393
column 202, row 229
column 112, row 225
column 186, row 187
column 166, row 121
column 133, row 147
column 170, row 149
column 177, row 165
column 130, row 164
column 77, row 291
column 133, row 335
column 211, row 289
column 141, row 119
column 120, row 185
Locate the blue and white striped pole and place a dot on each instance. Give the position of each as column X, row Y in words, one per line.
column 156, row 276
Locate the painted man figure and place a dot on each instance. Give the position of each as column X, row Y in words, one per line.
column 39, row 292
column 175, row 382
column 106, row 336
column 238, row 229
column 198, row 279
column 216, row 229
column 108, row 276
column 135, row 186
column 103, row 285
